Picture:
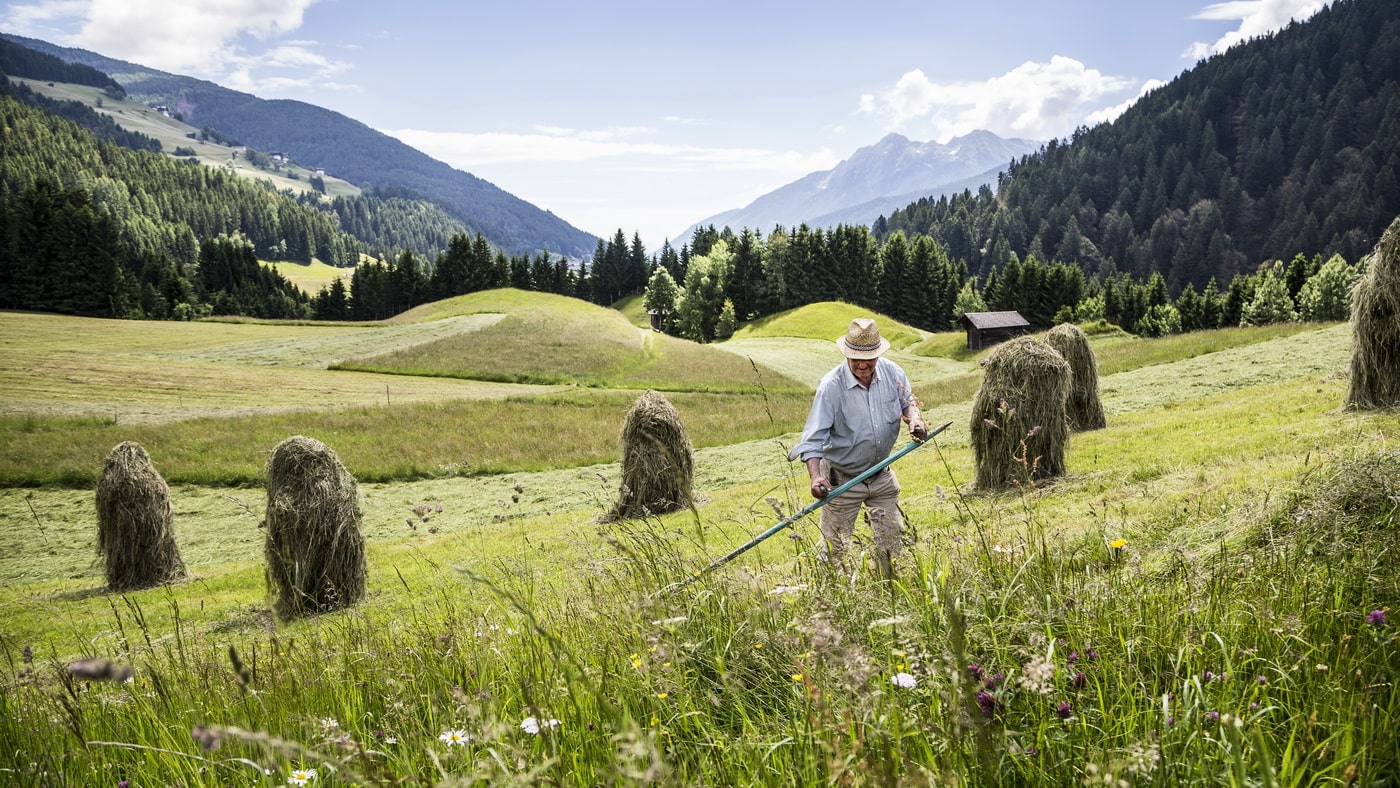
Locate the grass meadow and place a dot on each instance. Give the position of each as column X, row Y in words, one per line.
column 1207, row 597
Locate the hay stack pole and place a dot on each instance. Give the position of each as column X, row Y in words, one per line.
column 315, row 549
column 1018, row 424
column 135, row 528
column 658, row 462
column 1375, row 329
column 1083, row 408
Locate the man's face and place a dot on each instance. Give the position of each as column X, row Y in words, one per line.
column 863, row 369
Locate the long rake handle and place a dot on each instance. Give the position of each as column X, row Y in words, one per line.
column 812, row 507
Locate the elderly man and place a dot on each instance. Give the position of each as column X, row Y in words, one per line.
column 853, row 424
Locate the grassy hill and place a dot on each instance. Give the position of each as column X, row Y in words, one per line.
column 1207, row 596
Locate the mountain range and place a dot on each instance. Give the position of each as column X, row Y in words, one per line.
column 344, row 147
column 878, row 180
column 875, row 181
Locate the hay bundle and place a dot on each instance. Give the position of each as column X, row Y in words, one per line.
column 1018, row 417
column 1375, row 328
column 658, row 463
column 1084, row 409
column 315, row 551
column 135, row 532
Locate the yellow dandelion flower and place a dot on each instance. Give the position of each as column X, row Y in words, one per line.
column 1118, row 544
column 661, row 696
column 797, row 677
column 655, row 720
column 758, row 645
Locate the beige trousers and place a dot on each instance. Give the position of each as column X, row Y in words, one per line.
column 880, row 496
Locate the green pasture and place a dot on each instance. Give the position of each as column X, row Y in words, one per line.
column 1207, row 597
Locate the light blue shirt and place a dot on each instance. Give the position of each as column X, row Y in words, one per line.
column 853, row 427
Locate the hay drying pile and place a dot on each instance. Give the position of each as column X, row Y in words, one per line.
column 315, row 549
column 1375, row 329
column 1018, row 427
column 658, row 462
column 135, row 528
column 1084, row 408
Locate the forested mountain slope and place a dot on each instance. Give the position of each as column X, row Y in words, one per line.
column 1283, row 145
column 349, row 149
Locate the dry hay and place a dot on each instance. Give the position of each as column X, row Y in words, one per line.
column 135, row 528
column 1375, row 328
column 1084, row 409
column 1018, row 424
column 1351, row 507
column 658, row 462
column 315, row 549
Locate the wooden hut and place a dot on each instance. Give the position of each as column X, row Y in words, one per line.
column 985, row 329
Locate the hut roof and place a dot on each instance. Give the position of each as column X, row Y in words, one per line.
column 986, row 320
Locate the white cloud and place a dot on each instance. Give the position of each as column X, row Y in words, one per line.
column 622, row 147
column 1033, row 100
column 1256, row 18
column 197, row 37
column 1108, row 114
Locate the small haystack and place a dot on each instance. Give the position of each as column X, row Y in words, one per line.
column 1084, row 409
column 658, row 462
column 315, row 550
column 135, row 529
column 1375, row 329
column 1018, row 425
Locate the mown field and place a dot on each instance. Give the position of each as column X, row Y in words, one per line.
column 1206, row 597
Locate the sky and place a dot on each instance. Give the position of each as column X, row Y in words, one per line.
column 648, row 116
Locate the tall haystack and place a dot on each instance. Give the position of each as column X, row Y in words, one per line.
column 1018, row 425
column 1375, row 328
column 1084, row 409
column 315, row 550
column 135, row 529
column 658, row 462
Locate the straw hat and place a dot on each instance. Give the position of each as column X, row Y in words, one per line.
column 862, row 340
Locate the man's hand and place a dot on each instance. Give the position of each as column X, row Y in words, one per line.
column 820, row 488
column 917, row 429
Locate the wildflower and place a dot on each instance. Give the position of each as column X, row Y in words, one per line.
column 1119, row 543
column 1064, row 710
column 533, row 726
column 1321, row 668
column 1073, row 657
column 124, row 784
column 1262, row 679
column 989, row 703
column 975, row 671
column 455, row 738
column 329, row 722
column 1376, row 618
column 301, row 776
column 1212, row 716
column 1078, row 680
column 661, row 696
column 758, row 645
column 655, row 720
column 994, row 681
column 1091, row 655
column 904, row 680
column 797, row 677
column 1208, row 677
column 1036, row 675
column 636, row 660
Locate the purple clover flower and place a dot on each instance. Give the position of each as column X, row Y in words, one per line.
column 1064, row 710
column 1376, row 618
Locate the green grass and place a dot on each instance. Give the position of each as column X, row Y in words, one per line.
column 547, row 339
column 1231, row 639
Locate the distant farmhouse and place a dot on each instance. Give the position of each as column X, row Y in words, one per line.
column 985, row 329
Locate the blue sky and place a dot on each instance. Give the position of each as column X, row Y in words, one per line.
column 649, row 116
